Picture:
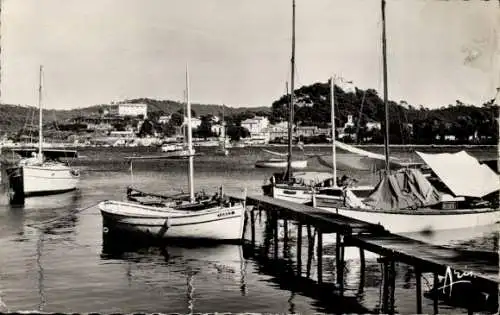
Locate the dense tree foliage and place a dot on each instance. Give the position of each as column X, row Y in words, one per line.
column 407, row 124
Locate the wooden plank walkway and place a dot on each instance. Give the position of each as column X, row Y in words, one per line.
column 374, row 238
column 327, row 221
column 432, row 258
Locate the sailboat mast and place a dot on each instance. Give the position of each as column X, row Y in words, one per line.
column 386, row 104
column 190, row 140
column 334, row 151
column 40, row 133
column 290, row 115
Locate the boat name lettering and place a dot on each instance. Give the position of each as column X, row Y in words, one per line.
column 225, row 213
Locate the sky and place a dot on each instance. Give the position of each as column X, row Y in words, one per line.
column 238, row 51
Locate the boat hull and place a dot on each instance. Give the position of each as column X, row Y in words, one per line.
column 43, row 180
column 280, row 163
column 215, row 224
column 422, row 220
column 302, row 194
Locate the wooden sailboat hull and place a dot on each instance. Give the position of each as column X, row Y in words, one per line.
column 281, row 163
column 213, row 224
column 420, row 220
column 46, row 179
column 303, row 194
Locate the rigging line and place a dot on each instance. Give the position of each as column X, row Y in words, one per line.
column 38, row 225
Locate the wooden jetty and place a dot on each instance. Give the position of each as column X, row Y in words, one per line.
column 480, row 268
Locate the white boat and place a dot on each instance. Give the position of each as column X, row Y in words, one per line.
column 281, row 163
column 183, row 217
column 209, row 221
column 463, row 195
column 42, row 172
column 172, row 147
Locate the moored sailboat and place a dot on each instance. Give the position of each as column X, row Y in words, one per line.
column 41, row 172
column 193, row 217
column 465, row 194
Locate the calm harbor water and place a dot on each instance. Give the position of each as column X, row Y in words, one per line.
column 51, row 261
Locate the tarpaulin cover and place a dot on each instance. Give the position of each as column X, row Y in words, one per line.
column 404, row 189
column 462, row 173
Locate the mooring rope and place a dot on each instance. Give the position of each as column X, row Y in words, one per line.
column 39, row 224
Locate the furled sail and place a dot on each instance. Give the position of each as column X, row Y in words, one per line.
column 358, row 159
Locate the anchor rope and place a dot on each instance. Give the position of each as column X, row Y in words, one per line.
column 39, row 224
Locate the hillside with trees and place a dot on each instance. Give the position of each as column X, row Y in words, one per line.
column 408, row 124
column 457, row 123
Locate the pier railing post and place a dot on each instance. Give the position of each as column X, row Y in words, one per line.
column 299, row 249
column 320, row 257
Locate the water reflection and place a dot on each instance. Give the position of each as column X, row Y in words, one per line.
column 225, row 262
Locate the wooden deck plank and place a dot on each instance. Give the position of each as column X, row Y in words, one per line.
column 373, row 237
column 325, row 220
column 484, row 266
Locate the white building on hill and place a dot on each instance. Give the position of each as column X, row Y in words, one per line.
column 129, row 109
column 255, row 125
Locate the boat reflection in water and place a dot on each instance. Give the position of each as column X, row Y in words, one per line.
column 182, row 259
column 40, row 212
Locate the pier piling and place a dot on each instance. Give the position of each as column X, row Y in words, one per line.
column 436, row 297
column 418, row 279
column 299, row 249
column 320, row 257
column 252, row 227
column 392, row 248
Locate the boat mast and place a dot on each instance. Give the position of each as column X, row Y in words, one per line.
column 190, row 140
column 334, row 151
column 40, row 134
column 386, row 104
column 290, row 115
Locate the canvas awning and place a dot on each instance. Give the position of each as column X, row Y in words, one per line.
column 462, row 173
column 312, row 178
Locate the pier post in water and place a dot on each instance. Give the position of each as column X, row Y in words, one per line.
column 418, row 279
column 362, row 270
column 285, row 237
column 275, row 234
column 252, row 227
column 385, row 281
column 320, row 257
column 436, row 296
column 310, row 250
column 392, row 284
column 299, row 249
column 339, row 261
